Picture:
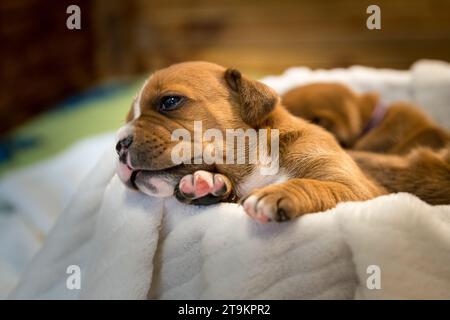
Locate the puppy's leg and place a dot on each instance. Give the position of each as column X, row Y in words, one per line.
column 422, row 172
column 379, row 140
column 204, row 188
column 433, row 138
column 284, row 201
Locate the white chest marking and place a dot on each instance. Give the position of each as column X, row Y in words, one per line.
column 257, row 180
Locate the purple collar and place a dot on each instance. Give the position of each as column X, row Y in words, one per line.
column 376, row 118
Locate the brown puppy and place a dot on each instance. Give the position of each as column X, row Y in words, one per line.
column 422, row 172
column 361, row 122
column 314, row 172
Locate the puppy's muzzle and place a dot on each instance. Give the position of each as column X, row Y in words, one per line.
column 135, row 175
column 122, row 148
column 125, row 170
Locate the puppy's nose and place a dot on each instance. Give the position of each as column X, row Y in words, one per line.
column 124, row 144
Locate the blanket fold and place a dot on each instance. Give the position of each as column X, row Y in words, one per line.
column 131, row 246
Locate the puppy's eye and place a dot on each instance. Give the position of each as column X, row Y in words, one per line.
column 169, row 103
column 316, row 120
column 323, row 122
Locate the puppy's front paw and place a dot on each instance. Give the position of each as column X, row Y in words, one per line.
column 272, row 203
column 203, row 188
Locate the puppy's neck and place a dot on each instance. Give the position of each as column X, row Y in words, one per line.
column 250, row 176
column 282, row 120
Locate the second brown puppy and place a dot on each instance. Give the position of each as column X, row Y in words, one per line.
column 362, row 122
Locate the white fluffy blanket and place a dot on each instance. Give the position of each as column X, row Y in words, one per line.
column 128, row 245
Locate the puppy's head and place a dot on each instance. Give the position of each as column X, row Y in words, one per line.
column 174, row 98
column 334, row 107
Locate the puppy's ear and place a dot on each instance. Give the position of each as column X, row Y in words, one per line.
column 256, row 99
column 367, row 102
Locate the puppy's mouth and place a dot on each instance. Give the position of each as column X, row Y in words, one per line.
column 133, row 177
column 137, row 174
column 157, row 183
column 157, row 180
column 129, row 173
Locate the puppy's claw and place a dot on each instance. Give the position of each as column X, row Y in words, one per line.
column 186, row 186
column 203, row 183
column 281, row 215
column 268, row 205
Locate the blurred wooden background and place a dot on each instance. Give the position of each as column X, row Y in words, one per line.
column 42, row 62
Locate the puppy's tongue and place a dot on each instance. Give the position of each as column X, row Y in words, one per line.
column 154, row 185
